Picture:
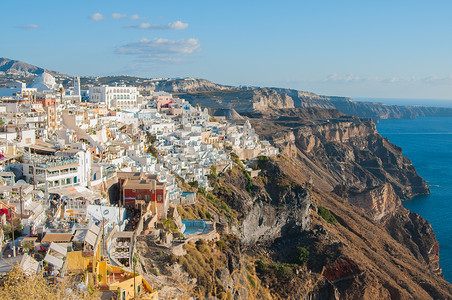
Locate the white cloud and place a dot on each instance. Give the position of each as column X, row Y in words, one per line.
column 28, row 27
column 178, row 25
column 344, row 78
column 134, row 17
column 144, row 25
column 118, row 16
column 163, row 50
column 97, row 17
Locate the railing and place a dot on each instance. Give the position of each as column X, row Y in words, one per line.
column 50, row 164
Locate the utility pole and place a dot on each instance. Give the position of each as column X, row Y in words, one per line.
column 103, row 230
column 20, row 203
column 12, row 231
column 134, row 261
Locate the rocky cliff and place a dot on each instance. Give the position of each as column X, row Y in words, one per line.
column 377, row 202
column 247, row 101
column 343, row 151
column 185, row 85
column 322, row 221
column 242, row 101
column 369, row 249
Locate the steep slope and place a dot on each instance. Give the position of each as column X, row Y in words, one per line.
column 354, row 257
column 188, row 85
column 19, row 68
column 242, row 101
column 344, row 151
column 323, row 220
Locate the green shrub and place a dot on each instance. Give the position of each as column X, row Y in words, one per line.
column 302, row 255
column 225, row 207
column 261, row 265
column 252, row 282
column 213, row 173
column 282, row 270
column 194, row 183
column 154, row 271
column 234, row 157
column 221, row 245
column 249, row 184
column 326, row 215
column 202, row 190
column 262, row 161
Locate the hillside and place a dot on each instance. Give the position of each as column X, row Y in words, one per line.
column 19, row 68
column 323, row 220
column 265, row 100
column 241, row 99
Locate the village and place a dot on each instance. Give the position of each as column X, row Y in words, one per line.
column 85, row 173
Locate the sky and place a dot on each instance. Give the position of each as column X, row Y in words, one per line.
column 381, row 49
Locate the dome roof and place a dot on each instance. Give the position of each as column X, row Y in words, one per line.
column 44, row 81
column 45, row 78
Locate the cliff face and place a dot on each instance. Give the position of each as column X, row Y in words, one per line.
column 375, row 250
column 277, row 207
column 241, row 100
column 346, row 152
column 186, row 85
column 376, row 110
column 322, row 221
column 417, row 234
column 266, row 100
column 377, row 202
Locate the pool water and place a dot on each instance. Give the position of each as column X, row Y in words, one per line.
column 193, row 226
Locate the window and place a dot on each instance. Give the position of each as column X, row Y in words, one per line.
column 159, row 197
column 147, row 198
column 138, row 289
column 139, row 197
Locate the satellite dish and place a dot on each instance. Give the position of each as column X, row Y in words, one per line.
column 20, row 183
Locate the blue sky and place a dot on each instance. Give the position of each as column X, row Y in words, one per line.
column 394, row 49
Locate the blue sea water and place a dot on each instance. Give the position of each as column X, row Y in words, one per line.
column 427, row 142
column 411, row 102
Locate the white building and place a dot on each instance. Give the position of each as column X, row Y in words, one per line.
column 44, row 82
column 77, row 91
column 66, row 169
column 17, row 88
column 121, row 97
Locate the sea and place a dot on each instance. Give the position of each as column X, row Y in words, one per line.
column 427, row 142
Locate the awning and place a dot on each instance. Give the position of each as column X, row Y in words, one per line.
column 91, row 238
column 58, row 263
column 58, row 248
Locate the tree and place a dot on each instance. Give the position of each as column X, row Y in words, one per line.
column 27, row 246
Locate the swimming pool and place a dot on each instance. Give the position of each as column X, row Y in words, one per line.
column 194, row 226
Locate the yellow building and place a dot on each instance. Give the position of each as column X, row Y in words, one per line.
column 123, row 283
column 90, row 250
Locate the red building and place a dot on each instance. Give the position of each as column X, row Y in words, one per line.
column 47, row 100
column 139, row 190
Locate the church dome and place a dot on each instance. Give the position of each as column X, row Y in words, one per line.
column 44, row 82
